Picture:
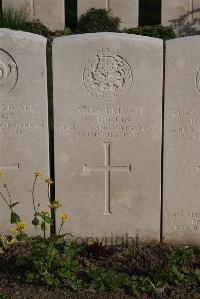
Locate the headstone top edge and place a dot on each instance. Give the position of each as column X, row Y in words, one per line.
column 185, row 39
column 5, row 32
column 125, row 36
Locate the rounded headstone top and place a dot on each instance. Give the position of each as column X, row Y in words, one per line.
column 8, row 33
column 114, row 35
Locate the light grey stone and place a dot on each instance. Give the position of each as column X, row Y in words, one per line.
column 127, row 10
column 24, row 120
column 17, row 4
column 51, row 13
column 107, row 104
column 182, row 141
column 182, row 15
column 84, row 5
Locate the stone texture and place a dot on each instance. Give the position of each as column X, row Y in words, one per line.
column 127, row 10
column 84, row 5
column 182, row 141
column 182, row 15
column 16, row 4
column 107, row 104
column 24, row 119
column 51, row 13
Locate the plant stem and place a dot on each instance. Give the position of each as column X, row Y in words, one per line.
column 34, row 205
column 5, row 199
column 62, row 223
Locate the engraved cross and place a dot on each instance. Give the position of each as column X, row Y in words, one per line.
column 107, row 168
column 9, row 166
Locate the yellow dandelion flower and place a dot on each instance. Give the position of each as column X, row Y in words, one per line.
column 44, row 212
column 63, row 216
column 38, row 174
column 49, row 181
column 55, row 205
column 19, row 227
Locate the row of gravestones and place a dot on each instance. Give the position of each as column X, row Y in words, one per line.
column 181, row 14
column 108, row 106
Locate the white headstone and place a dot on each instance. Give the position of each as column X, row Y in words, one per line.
column 18, row 4
column 24, row 142
column 182, row 141
column 50, row 13
column 126, row 10
column 107, row 104
column 182, row 15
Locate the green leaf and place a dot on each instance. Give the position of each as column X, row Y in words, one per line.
column 46, row 219
column 14, row 218
column 36, row 221
column 14, row 204
column 43, row 226
column 197, row 274
column 21, row 237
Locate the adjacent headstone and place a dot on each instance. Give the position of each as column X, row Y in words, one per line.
column 50, row 13
column 24, row 120
column 127, row 10
column 182, row 141
column 84, row 6
column 182, row 15
column 19, row 4
column 107, row 105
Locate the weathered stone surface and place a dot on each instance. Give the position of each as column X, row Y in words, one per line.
column 127, row 10
column 107, row 103
column 84, row 5
column 51, row 13
column 24, row 119
column 182, row 15
column 16, row 4
column 182, row 141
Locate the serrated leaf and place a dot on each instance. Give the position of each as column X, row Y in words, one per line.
column 36, row 222
column 14, row 218
column 14, row 204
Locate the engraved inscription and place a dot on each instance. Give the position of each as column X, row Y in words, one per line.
column 19, row 119
column 8, row 72
column 107, row 75
column 107, row 121
column 184, row 220
column 107, row 168
column 186, row 122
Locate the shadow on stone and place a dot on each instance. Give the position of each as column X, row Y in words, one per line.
column 187, row 24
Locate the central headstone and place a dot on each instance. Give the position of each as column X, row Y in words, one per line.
column 107, row 103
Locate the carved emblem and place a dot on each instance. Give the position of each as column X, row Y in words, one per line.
column 198, row 80
column 8, row 72
column 107, row 75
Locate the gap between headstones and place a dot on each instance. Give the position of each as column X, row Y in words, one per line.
column 51, row 128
